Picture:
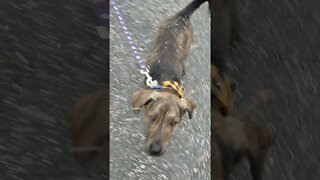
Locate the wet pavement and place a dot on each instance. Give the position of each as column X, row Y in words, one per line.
column 50, row 55
column 191, row 142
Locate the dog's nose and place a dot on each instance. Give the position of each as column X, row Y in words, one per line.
column 155, row 148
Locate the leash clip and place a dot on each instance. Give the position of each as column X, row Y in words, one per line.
column 151, row 83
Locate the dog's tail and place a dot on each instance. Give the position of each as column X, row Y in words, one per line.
column 190, row 8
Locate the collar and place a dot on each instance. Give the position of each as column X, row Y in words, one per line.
column 172, row 85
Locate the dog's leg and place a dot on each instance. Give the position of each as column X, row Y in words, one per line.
column 227, row 157
column 256, row 165
column 217, row 163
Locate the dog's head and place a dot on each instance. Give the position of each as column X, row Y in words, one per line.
column 163, row 112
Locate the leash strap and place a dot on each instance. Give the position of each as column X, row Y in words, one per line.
column 134, row 48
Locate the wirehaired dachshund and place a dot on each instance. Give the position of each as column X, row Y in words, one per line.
column 164, row 107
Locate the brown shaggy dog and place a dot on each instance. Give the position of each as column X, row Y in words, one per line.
column 235, row 136
column 88, row 121
column 164, row 108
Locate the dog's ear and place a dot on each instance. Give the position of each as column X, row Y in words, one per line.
column 142, row 98
column 187, row 105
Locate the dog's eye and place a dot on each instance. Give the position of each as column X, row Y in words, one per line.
column 173, row 123
column 148, row 102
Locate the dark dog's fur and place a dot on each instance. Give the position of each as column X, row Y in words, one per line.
column 88, row 122
column 224, row 30
column 235, row 137
column 163, row 109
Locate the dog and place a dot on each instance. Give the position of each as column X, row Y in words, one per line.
column 164, row 108
column 88, row 119
column 235, row 137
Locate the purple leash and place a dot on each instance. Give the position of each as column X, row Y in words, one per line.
column 142, row 67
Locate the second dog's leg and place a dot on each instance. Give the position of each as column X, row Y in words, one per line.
column 256, row 165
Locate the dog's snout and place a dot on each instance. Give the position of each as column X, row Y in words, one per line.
column 155, row 148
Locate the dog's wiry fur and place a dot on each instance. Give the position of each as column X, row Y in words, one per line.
column 163, row 109
column 236, row 137
column 88, row 122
